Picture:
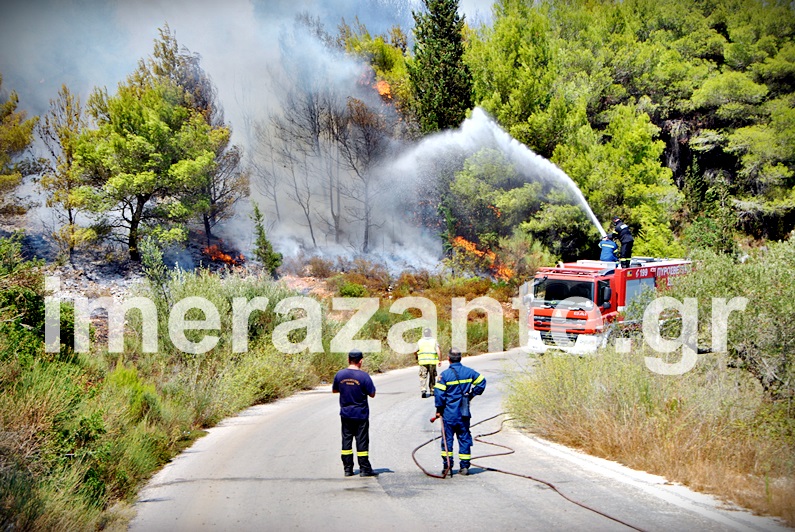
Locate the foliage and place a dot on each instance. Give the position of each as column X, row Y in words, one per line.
column 513, row 73
column 158, row 151
column 758, row 337
column 153, row 267
column 619, row 172
column 64, row 185
column 488, row 197
column 386, row 54
column 350, row 289
column 21, row 303
column 563, row 227
column 631, row 98
column 16, row 134
column 148, row 159
column 371, row 275
column 226, row 182
column 710, row 428
column 440, row 79
column 263, row 249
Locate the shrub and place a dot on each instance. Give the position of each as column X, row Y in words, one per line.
column 410, row 282
column 349, row 289
column 372, row 275
column 320, row 267
column 710, row 233
column 759, row 338
column 710, row 429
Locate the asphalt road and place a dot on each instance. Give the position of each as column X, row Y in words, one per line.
column 277, row 467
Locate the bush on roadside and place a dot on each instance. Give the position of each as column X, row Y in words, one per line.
column 760, row 337
column 710, row 429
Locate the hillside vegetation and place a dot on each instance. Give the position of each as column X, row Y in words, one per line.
column 677, row 115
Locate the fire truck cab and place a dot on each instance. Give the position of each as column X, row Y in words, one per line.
column 571, row 306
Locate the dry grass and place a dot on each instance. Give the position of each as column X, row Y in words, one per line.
column 80, row 434
column 709, row 429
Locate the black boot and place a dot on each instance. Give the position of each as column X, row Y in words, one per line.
column 365, row 469
column 347, row 463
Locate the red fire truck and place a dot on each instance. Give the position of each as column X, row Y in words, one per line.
column 572, row 305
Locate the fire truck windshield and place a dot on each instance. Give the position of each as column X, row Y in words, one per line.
column 553, row 292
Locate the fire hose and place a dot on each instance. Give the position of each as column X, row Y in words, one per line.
column 449, row 468
column 507, row 451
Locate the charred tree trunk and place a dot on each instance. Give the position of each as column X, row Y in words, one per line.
column 207, row 228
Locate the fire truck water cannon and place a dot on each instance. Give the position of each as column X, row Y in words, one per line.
column 573, row 305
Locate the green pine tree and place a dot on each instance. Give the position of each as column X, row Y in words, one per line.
column 16, row 134
column 263, row 249
column 440, row 80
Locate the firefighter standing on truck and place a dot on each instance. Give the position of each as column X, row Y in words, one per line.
column 626, row 239
column 457, row 386
column 428, row 358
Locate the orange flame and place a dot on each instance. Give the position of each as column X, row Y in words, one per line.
column 497, row 212
column 383, row 89
column 216, row 255
column 503, row 272
column 499, row 270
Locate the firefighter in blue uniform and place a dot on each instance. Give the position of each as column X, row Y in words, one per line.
column 457, row 386
column 354, row 386
column 609, row 248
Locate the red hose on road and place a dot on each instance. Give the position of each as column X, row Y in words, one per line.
column 449, row 468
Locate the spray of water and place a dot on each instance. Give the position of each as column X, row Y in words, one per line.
column 476, row 133
column 536, row 165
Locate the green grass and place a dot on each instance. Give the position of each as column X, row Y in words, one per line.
column 81, row 433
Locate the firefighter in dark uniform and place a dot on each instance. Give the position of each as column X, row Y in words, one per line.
column 354, row 386
column 457, row 386
column 626, row 239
